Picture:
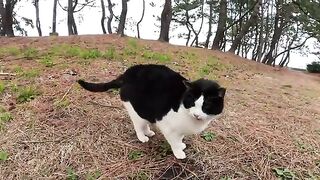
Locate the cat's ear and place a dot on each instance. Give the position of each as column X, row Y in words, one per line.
column 187, row 84
column 222, row 92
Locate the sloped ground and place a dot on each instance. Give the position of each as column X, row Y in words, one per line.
column 56, row 130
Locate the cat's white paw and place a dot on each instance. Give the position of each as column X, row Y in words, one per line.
column 183, row 146
column 179, row 154
column 150, row 133
column 143, row 139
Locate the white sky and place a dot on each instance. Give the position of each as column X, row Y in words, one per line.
column 89, row 23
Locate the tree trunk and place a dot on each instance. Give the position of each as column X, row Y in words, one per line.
column 196, row 38
column 103, row 8
column 166, row 16
column 38, row 25
column 54, row 17
column 8, row 18
column 123, row 17
column 2, row 18
column 143, row 10
column 70, row 18
column 221, row 25
column 278, row 28
column 206, row 44
column 252, row 21
column 110, row 17
column 260, row 41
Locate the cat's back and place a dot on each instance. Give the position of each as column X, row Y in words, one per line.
column 150, row 73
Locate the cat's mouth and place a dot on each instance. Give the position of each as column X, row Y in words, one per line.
column 198, row 117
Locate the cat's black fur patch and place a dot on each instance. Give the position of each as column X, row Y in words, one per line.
column 153, row 90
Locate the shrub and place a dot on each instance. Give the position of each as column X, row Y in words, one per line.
column 314, row 67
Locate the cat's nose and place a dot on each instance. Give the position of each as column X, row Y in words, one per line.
column 196, row 116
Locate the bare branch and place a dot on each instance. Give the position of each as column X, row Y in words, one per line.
column 292, row 48
column 305, row 12
column 61, row 6
column 83, row 6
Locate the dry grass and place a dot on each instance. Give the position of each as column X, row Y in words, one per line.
column 271, row 120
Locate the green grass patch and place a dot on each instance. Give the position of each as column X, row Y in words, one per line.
column 3, row 156
column 62, row 103
column 110, row 53
column 71, row 174
column 9, row 51
column 134, row 155
column 18, row 69
column 164, row 150
column 133, row 43
column 140, row 175
column 93, row 175
column 47, row 61
column 190, row 56
column 14, row 87
column 130, row 51
column 4, row 118
column 2, row 87
column 212, row 65
column 156, row 56
column 209, row 136
column 26, row 94
column 284, row 173
column 72, row 51
column 32, row 73
column 30, row 53
column 90, row 54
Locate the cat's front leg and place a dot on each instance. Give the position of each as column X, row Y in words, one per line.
column 176, row 144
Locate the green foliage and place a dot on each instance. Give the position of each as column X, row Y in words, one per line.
column 225, row 178
column 93, row 176
column 134, row 155
column 72, row 51
column 2, row 87
column 71, row 175
column 314, row 67
column 18, row 69
column 32, row 73
column 130, row 51
column 284, row 173
column 26, row 94
column 13, row 51
column 4, row 118
column 164, row 150
column 209, row 136
column 156, row 56
column 90, row 54
column 30, row 53
column 47, row 61
column 132, row 43
column 3, row 156
column 141, row 175
column 62, row 103
column 110, row 53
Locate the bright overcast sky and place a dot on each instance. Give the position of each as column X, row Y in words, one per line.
column 89, row 23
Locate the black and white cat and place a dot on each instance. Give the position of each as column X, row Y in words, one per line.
column 155, row 94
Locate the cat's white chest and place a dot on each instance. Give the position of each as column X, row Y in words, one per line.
column 182, row 122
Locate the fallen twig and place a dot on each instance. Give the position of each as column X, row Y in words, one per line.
column 36, row 142
column 103, row 105
column 65, row 94
column 7, row 74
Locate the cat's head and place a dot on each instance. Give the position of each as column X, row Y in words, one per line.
column 204, row 99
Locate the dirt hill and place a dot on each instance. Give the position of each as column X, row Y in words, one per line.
column 53, row 129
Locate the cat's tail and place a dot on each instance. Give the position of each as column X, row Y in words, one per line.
column 101, row 87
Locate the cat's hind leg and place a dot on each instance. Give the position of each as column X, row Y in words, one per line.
column 140, row 125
